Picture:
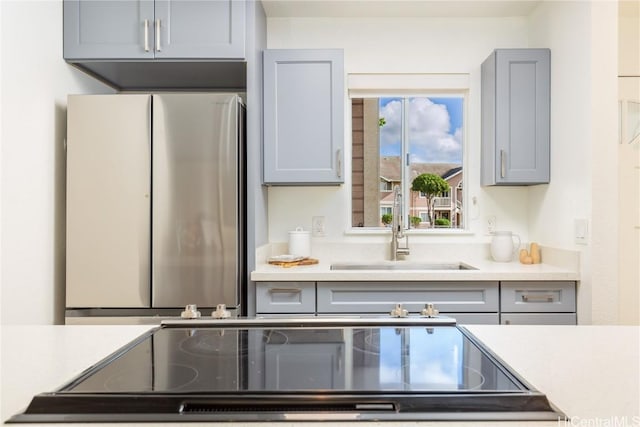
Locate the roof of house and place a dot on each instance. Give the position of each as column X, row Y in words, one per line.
column 451, row 172
column 390, row 168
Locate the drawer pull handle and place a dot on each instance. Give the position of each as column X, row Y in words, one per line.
column 285, row 290
column 544, row 298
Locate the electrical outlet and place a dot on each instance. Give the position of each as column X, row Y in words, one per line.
column 317, row 226
column 491, row 224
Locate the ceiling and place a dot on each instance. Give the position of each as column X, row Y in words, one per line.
column 397, row 8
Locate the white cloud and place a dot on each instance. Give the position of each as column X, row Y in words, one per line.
column 391, row 132
column 430, row 136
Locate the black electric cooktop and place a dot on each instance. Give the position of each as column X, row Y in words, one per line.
column 296, row 369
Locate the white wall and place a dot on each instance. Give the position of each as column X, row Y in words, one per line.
column 629, row 167
column 629, row 37
column 604, row 138
column 569, row 195
column 583, row 40
column 401, row 45
column 35, row 82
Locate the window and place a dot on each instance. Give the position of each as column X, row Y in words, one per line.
column 385, row 185
column 395, row 140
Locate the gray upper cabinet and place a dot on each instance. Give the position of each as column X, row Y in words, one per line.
column 515, row 117
column 303, row 117
column 147, row 29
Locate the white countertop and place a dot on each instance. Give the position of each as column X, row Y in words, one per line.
column 557, row 264
column 591, row 373
column 485, row 270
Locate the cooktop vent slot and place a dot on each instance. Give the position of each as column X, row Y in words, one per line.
column 206, row 407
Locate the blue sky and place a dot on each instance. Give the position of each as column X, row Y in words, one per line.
column 435, row 128
column 436, row 358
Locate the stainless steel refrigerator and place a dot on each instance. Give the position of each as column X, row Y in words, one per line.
column 155, row 202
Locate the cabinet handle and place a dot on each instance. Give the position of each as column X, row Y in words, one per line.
column 339, row 162
column 285, row 290
column 503, row 165
column 158, row 45
column 543, row 298
column 146, row 35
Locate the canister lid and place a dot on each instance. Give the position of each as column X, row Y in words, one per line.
column 299, row 230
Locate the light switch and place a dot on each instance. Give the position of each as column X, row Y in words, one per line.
column 580, row 231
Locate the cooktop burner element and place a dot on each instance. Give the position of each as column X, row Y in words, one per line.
column 241, row 370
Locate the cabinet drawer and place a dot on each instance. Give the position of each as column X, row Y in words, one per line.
column 381, row 297
column 285, row 297
column 538, row 319
column 538, row 297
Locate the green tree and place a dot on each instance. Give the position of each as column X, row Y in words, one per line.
column 387, row 218
column 431, row 186
column 443, row 221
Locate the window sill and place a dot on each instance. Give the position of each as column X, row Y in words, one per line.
column 377, row 231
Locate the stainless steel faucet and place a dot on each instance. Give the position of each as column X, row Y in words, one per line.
column 397, row 231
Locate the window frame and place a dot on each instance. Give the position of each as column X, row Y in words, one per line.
column 380, row 85
column 406, row 186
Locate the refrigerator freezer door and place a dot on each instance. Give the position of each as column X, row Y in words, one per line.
column 195, row 220
column 108, row 200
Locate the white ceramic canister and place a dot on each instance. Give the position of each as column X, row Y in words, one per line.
column 502, row 246
column 300, row 242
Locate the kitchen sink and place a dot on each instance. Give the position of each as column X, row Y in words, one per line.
column 401, row 265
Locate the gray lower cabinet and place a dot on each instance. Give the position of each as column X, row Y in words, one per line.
column 538, row 319
column 303, row 116
column 515, row 117
column 285, row 298
column 540, row 303
column 483, row 302
column 468, row 302
column 475, row 318
column 148, row 29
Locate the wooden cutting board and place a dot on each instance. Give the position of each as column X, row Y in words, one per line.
column 286, row 264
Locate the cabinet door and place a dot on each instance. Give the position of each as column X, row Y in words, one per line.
column 200, row 29
column 381, row 297
column 538, row 319
column 515, row 117
column 303, row 116
column 104, row 29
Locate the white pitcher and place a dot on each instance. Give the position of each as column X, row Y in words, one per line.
column 502, row 246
